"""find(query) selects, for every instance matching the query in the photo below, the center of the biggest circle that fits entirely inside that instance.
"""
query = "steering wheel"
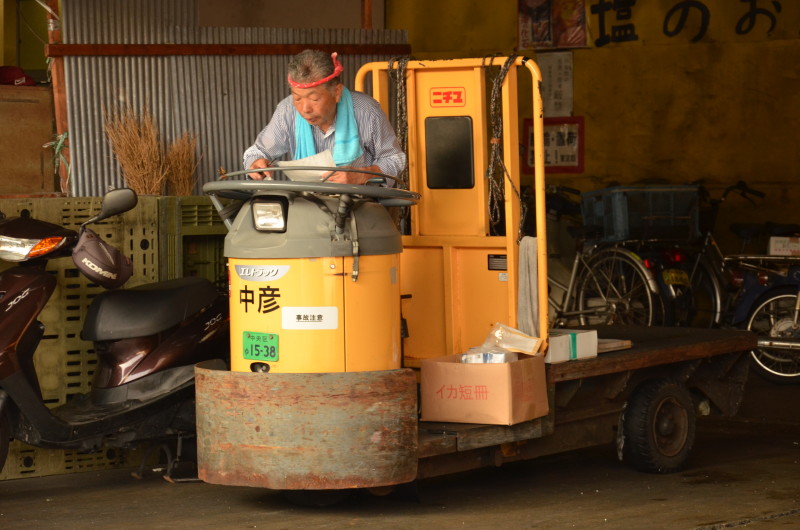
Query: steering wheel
(244, 189)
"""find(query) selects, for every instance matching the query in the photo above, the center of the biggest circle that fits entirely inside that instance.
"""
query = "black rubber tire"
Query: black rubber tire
(658, 427)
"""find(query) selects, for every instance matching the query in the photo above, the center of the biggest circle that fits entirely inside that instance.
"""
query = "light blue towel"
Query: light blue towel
(346, 145)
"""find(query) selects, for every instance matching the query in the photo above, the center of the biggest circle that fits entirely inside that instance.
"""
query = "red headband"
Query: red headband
(337, 69)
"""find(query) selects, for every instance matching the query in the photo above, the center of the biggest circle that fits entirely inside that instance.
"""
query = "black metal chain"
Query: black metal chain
(496, 171)
(397, 74)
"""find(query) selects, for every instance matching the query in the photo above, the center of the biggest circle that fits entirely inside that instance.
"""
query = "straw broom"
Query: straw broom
(180, 164)
(146, 168)
(136, 145)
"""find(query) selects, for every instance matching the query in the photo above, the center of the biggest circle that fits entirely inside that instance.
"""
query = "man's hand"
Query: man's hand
(352, 176)
(260, 163)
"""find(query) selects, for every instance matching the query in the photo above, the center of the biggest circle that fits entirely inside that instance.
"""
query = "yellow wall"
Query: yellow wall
(8, 32)
(32, 36)
(450, 29)
(723, 109)
(23, 47)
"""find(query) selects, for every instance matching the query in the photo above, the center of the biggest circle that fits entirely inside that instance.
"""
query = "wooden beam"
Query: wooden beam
(366, 14)
(104, 50)
(58, 81)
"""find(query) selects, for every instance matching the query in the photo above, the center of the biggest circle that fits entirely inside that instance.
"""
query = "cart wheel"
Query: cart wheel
(659, 427)
(316, 498)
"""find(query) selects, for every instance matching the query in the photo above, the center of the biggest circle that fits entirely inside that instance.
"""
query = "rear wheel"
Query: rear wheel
(706, 296)
(775, 316)
(614, 290)
(658, 427)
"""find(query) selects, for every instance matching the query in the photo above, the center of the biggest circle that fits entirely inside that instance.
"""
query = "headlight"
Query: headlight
(269, 216)
(20, 249)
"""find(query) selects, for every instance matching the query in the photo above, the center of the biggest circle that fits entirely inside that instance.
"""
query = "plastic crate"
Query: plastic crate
(624, 213)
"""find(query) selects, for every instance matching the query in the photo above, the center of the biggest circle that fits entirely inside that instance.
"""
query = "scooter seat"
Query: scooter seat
(147, 309)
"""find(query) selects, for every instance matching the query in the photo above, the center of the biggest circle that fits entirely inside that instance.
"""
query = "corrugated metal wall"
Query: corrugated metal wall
(225, 100)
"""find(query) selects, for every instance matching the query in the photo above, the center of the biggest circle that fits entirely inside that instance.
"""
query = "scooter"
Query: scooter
(147, 339)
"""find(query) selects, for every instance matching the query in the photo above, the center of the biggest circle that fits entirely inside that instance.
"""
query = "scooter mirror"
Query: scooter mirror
(115, 202)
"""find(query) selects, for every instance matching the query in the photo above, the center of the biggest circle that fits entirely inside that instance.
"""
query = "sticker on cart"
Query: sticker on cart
(450, 96)
(310, 317)
(261, 273)
(260, 346)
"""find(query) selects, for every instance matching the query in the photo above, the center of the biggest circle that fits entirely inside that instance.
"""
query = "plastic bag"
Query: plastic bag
(501, 346)
(506, 337)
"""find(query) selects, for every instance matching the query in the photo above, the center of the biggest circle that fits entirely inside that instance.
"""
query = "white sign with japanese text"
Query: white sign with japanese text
(307, 318)
(557, 81)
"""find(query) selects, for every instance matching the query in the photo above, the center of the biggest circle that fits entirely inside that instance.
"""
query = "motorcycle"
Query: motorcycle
(147, 339)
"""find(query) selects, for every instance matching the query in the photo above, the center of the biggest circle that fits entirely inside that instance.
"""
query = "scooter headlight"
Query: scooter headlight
(21, 249)
(269, 215)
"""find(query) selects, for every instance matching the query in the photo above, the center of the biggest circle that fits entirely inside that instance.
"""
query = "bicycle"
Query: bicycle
(759, 293)
(607, 284)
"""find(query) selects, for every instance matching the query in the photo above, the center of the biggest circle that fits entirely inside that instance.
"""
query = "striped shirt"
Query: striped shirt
(378, 140)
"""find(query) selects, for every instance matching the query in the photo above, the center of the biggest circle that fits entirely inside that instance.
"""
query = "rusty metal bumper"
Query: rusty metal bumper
(306, 431)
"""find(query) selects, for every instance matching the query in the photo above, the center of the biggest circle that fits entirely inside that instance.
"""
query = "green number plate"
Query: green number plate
(260, 346)
(676, 277)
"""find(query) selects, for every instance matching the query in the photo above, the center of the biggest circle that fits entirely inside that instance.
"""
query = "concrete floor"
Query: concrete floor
(744, 473)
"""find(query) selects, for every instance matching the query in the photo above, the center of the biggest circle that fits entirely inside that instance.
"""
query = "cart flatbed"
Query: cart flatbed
(587, 396)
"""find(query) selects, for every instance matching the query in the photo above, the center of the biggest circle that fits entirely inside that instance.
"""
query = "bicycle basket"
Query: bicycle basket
(643, 212)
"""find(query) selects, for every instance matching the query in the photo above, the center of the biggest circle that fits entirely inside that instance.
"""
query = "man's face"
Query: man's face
(317, 104)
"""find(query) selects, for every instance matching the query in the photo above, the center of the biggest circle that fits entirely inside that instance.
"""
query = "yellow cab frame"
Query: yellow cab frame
(453, 296)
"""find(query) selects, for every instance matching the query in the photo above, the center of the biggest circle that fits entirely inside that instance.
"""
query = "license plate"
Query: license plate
(260, 346)
(675, 277)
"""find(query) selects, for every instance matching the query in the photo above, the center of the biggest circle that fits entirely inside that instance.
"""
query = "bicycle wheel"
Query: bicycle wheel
(613, 290)
(773, 316)
(706, 298)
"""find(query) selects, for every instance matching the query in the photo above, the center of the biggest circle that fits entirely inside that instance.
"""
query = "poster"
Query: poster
(557, 82)
(551, 24)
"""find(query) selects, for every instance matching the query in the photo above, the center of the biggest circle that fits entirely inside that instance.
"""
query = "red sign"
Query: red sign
(448, 97)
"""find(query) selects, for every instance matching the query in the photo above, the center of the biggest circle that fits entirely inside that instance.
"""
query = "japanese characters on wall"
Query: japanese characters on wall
(614, 19)
(548, 24)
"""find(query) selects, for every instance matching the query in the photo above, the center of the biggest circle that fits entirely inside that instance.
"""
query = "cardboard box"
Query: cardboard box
(571, 344)
(784, 246)
(494, 393)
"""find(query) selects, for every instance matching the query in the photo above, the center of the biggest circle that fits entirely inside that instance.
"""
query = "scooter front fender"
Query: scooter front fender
(24, 291)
